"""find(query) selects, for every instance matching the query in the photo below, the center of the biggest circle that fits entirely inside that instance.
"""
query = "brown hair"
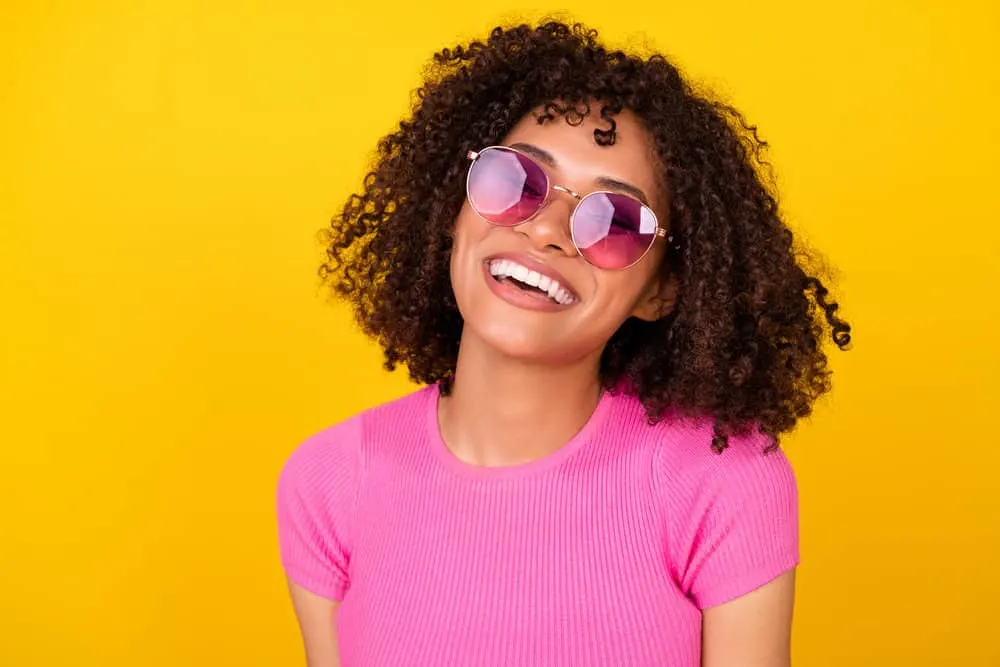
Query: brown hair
(743, 343)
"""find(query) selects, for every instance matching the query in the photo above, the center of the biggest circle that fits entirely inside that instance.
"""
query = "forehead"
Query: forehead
(581, 160)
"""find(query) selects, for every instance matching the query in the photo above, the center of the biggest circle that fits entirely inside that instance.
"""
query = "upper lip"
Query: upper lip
(529, 262)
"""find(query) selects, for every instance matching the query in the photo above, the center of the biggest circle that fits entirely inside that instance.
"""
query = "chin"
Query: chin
(514, 341)
(527, 344)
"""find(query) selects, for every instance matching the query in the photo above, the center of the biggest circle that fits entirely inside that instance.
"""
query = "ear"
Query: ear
(657, 299)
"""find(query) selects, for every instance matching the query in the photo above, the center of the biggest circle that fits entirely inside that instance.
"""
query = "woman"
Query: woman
(578, 257)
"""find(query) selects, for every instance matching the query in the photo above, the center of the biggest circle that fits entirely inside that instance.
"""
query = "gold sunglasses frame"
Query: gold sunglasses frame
(660, 233)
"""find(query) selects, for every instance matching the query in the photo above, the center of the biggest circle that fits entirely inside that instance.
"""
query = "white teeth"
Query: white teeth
(505, 268)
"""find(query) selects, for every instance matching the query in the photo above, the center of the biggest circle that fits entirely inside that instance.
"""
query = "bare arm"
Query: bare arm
(753, 630)
(315, 615)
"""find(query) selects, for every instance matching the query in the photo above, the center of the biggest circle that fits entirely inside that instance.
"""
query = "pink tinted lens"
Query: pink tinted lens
(506, 187)
(613, 231)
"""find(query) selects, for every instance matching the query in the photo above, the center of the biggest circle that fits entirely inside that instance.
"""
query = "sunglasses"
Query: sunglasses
(610, 230)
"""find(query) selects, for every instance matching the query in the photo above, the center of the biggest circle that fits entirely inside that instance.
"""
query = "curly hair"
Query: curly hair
(743, 342)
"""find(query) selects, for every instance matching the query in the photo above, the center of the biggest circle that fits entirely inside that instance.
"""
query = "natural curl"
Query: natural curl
(743, 343)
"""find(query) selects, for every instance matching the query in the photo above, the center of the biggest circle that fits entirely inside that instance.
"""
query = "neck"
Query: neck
(504, 411)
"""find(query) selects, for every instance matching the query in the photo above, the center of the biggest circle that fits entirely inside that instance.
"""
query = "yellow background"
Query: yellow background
(166, 164)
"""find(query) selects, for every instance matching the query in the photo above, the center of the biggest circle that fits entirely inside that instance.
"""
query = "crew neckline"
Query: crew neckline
(483, 472)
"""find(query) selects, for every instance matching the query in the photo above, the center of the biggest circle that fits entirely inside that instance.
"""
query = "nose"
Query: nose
(549, 229)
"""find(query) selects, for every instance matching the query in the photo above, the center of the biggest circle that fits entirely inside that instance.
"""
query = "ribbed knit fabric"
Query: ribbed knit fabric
(602, 553)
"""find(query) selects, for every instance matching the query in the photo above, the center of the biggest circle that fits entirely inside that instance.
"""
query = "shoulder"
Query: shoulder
(337, 455)
(318, 494)
(686, 462)
(730, 518)
(682, 453)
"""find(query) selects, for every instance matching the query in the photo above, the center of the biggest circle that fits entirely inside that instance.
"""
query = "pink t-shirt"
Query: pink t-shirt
(601, 553)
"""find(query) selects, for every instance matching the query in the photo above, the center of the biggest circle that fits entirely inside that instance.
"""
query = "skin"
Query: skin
(538, 372)
(317, 622)
(527, 381)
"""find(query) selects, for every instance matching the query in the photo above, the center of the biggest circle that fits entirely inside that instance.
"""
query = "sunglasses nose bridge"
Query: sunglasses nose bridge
(571, 193)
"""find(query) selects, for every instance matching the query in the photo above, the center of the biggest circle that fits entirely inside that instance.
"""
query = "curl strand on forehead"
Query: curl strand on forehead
(575, 113)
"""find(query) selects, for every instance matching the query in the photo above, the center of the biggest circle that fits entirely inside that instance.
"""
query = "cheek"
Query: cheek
(620, 294)
(469, 230)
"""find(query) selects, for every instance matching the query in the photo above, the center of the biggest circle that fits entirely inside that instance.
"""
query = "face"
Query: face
(575, 321)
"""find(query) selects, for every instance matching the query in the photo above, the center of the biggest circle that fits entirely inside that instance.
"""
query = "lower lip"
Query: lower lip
(518, 297)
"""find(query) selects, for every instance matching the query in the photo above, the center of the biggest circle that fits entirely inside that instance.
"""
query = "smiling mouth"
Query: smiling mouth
(506, 271)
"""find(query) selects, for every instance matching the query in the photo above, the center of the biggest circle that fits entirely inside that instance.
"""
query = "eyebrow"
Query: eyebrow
(602, 181)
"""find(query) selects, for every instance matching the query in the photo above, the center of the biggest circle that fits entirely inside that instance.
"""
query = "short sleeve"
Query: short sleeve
(733, 521)
(316, 501)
